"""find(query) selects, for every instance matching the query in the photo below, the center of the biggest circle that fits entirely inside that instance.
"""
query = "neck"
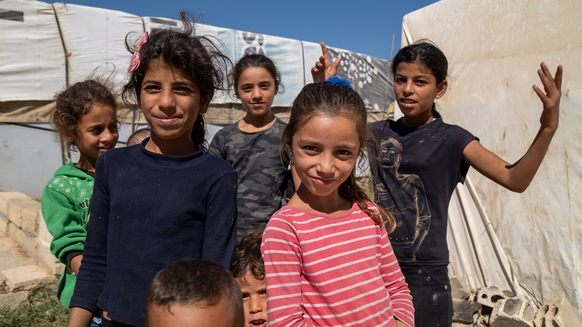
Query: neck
(332, 204)
(177, 147)
(415, 121)
(254, 124)
(86, 163)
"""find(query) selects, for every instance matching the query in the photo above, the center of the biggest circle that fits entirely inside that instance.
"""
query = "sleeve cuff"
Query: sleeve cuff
(72, 255)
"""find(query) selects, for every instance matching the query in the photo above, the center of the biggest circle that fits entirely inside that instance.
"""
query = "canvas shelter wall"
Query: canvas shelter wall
(494, 49)
(46, 47)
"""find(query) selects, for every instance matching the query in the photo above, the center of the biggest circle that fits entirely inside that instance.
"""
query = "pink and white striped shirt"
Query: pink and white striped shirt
(332, 271)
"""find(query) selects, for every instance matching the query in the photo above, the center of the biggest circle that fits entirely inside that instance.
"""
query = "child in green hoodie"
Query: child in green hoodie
(86, 118)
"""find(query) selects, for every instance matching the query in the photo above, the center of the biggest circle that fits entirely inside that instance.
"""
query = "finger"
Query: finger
(540, 93)
(324, 51)
(558, 78)
(336, 63)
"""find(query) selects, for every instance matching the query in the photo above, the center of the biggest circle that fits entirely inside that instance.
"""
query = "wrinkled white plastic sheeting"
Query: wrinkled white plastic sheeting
(475, 251)
(32, 57)
(94, 39)
(494, 48)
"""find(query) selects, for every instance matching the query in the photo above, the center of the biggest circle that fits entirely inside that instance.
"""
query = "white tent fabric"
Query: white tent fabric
(94, 38)
(32, 50)
(45, 47)
(494, 49)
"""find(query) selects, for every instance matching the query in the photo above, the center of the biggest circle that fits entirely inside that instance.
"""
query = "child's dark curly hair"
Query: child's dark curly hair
(197, 56)
(247, 255)
(75, 102)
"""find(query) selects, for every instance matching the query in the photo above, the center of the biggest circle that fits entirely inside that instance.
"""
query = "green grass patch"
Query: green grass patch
(41, 308)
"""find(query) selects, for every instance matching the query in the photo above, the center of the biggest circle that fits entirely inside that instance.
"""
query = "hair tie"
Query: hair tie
(134, 63)
(339, 81)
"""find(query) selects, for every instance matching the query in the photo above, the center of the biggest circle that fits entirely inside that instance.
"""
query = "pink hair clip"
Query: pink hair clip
(134, 63)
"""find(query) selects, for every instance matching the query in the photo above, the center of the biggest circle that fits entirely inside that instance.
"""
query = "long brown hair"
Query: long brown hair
(334, 100)
(198, 56)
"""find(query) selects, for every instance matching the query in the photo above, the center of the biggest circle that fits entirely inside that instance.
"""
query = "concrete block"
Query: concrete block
(15, 210)
(464, 311)
(46, 259)
(459, 289)
(26, 277)
(6, 197)
(25, 240)
(558, 313)
(43, 232)
(488, 296)
(12, 300)
(507, 313)
(30, 218)
(529, 312)
(3, 225)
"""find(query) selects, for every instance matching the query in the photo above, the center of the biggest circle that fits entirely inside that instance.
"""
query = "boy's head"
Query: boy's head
(194, 293)
(138, 136)
(249, 271)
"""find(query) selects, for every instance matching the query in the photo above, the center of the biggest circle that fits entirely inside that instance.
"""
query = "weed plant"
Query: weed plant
(41, 308)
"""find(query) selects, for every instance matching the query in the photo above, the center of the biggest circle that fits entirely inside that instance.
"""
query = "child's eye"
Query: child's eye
(183, 89)
(344, 153)
(245, 296)
(399, 80)
(310, 148)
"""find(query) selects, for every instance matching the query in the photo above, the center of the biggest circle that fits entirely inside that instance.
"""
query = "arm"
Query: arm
(79, 317)
(220, 227)
(518, 176)
(216, 146)
(324, 68)
(283, 266)
(396, 285)
(64, 223)
(92, 272)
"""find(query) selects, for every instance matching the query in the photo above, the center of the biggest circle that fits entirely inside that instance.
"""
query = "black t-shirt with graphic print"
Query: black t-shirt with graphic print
(415, 176)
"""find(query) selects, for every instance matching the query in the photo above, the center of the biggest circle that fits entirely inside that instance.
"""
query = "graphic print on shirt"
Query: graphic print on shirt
(409, 204)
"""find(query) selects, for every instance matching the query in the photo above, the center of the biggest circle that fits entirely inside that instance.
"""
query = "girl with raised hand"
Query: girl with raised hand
(85, 116)
(163, 200)
(422, 159)
(328, 260)
(251, 145)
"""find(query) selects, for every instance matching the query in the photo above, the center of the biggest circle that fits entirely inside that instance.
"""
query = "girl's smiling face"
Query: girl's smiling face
(256, 89)
(325, 151)
(96, 133)
(171, 102)
(415, 89)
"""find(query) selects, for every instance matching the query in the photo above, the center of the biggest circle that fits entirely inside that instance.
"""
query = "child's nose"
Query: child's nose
(326, 164)
(255, 305)
(166, 100)
(409, 87)
(107, 136)
(256, 93)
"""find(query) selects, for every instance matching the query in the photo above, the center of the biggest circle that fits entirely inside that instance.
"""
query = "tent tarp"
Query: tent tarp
(494, 49)
(35, 43)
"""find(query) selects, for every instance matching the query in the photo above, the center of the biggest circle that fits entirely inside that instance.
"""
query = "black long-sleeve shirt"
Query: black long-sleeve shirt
(149, 210)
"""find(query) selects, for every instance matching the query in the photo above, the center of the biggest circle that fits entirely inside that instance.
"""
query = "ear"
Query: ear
(69, 138)
(442, 89)
(276, 88)
(205, 102)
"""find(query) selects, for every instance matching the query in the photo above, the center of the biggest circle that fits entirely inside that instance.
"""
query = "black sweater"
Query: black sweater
(149, 210)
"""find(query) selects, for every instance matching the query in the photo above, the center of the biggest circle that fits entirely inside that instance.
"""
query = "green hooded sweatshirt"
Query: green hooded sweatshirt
(65, 207)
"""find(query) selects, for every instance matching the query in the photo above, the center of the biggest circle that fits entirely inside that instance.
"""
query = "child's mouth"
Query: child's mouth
(258, 323)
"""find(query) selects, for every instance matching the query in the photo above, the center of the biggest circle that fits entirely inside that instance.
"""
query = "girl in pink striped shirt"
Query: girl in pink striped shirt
(328, 261)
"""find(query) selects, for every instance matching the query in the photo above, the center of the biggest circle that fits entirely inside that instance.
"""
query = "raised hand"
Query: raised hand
(324, 68)
(550, 97)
